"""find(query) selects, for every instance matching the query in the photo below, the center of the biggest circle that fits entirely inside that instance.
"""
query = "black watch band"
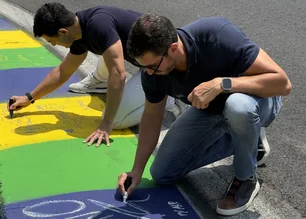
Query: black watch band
(30, 97)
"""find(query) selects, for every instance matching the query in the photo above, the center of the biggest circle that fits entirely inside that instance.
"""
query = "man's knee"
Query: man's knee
(241, 110)
(127, 119)
(160, 175)
(119, 125)
(123, 123)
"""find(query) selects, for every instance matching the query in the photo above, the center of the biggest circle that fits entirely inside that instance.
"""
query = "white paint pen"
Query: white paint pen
(125, 196)
(127, 184)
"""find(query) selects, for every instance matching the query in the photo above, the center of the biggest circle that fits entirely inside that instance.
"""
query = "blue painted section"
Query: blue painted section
(153, 203)
(6, 25)
(16, 82)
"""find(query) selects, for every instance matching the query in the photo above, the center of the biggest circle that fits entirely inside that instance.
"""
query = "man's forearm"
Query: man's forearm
(115, 90)
(148, 137)
(51, 82)
(263, 85)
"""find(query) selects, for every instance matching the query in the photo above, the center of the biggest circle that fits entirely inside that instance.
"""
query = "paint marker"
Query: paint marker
(127, 184)
(11, 101)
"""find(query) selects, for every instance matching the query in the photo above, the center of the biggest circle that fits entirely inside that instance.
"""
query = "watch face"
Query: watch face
(227, 84)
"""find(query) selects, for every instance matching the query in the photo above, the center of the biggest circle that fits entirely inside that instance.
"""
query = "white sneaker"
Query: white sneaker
(89, 85)
(177, 108)
(263, 148)
(174, 109)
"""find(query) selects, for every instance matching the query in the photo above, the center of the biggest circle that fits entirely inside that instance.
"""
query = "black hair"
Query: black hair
(50, 17)
(151, 33)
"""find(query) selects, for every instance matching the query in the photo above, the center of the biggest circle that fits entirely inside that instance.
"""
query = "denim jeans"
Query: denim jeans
(198, 138)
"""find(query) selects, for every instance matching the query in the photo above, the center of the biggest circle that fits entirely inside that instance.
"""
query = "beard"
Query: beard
(170, 67)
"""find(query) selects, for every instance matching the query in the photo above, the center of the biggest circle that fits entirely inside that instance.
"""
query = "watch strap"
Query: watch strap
(30, 97)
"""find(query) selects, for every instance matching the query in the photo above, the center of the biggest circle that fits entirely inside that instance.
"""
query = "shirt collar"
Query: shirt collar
(190, 48)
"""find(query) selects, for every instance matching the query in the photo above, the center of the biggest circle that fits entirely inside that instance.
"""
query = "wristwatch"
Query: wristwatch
(30, 97)
(226, 85)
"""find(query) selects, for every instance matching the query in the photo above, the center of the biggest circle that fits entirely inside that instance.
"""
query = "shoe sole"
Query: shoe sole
(230, 212)
(266, 146)
(94, 91)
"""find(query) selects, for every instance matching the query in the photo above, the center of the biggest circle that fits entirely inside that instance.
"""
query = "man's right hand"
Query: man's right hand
(19, 103)
(100, 134)
(136, 178)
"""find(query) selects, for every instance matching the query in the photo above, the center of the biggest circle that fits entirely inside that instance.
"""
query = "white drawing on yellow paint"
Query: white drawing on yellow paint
(51, 106)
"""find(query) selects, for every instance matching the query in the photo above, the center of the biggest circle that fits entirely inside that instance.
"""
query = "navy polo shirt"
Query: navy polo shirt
(102, 26)
(215, 48)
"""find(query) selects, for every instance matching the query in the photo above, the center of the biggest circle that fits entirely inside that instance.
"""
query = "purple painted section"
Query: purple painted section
(153, 203)
(5, 25)
(19, 81)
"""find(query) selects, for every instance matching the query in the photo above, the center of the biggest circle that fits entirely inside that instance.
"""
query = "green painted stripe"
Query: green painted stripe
(59, 167)
(27, 58)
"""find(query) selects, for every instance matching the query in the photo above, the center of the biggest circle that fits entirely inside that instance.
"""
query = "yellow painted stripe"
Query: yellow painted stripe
(16, 39)
(53, 119)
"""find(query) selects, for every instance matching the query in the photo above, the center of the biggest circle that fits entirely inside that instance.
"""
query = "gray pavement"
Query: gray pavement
(279, 27)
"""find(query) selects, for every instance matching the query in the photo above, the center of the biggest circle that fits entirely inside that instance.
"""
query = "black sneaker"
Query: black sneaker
(263, 148)
(239, 196)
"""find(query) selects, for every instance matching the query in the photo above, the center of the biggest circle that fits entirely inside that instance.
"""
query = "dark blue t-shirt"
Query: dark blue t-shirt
(102, 26)
(215, 48)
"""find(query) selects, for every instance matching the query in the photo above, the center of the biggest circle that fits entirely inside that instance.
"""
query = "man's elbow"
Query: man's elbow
(123, 76)
(287, 86)
(117, 80)
(63, 73)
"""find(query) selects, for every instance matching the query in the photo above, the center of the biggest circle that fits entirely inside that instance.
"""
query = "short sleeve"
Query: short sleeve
(77, 49)
(150, 84)
(103, 31)
(237, 51)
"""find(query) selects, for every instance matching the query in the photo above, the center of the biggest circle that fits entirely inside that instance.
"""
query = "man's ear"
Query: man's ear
(62, 31)
(173, 49)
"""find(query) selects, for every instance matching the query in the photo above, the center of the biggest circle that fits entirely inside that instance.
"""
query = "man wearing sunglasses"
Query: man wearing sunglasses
(102, 30)
(153, 67)
(234, 87)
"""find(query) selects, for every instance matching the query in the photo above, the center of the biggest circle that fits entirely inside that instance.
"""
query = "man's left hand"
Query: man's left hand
(204, 93)
(100, 134)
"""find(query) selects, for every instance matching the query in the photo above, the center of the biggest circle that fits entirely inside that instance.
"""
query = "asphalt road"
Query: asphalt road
(279, 27)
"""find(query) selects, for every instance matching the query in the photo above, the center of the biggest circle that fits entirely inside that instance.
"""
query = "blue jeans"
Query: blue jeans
(198, 138)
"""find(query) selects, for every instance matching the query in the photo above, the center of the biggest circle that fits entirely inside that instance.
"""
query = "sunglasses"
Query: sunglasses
(150, 67)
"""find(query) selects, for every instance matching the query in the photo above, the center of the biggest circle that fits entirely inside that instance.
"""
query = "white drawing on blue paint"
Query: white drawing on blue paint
(29, 211)
(93, 214)
(178, 208)
(26, 211)
(135, 211)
